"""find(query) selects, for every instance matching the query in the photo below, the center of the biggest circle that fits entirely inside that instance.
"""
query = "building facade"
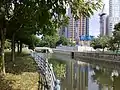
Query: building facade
(114, 14)
(107, 22)
(75, 28)
(102, 24)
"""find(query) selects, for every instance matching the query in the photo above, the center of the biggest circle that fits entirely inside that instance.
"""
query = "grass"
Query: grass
(20, 75)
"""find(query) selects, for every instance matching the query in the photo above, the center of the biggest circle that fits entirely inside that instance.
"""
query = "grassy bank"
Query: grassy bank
(20, 75)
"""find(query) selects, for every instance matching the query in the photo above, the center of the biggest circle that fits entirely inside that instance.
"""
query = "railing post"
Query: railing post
(39, 83)
(72, 55)
(47, 81)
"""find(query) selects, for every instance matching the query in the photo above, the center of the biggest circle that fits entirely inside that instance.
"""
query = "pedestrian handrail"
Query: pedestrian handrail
(46, 70)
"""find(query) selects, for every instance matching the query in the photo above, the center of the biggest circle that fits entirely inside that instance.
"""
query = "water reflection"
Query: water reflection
(76, 76)
(107, 79)
(84, 76)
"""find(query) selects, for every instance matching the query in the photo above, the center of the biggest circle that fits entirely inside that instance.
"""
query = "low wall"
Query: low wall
(65, 48)
(97, 56)
(111, 61)
(75, 48)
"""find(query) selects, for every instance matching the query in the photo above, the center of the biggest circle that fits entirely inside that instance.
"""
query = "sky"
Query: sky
(94, 20)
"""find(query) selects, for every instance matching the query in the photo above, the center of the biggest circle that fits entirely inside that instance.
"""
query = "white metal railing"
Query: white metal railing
(45, 69)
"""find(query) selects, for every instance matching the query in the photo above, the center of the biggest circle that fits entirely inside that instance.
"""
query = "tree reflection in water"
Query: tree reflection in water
(106, 80)
(84, 76)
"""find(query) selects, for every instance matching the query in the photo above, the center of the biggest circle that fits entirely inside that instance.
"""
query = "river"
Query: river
(88, 76)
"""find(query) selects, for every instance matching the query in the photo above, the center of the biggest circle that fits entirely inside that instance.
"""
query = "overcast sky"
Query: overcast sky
(94, 20)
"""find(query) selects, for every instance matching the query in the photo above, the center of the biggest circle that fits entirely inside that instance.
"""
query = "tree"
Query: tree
(16, 14)
(7, 44)
(116, 35)
(100, 42)
(114, 43)
(104, 42)
(63, 40)
(94, 42)
(48, 41)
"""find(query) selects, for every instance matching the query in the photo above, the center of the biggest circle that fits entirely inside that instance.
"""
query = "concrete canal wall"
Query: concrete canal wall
(103, 59)
(97, 56)
(75, 48)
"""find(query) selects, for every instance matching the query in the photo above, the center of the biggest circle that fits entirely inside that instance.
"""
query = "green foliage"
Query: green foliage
(100, 42)
(71, 44)
(95, 42)
(53, 41)
(114, 43)
(48, 41)
(84, 8)
(104, 41)
(46, 16)
(63, 40)
(25, 18)
(102, 76)
(31, 41)
(7, 44)
(116, 33)
(59, 68)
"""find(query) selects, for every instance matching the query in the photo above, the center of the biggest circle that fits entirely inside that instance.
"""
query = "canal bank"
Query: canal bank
(89, 76)
(93, 56)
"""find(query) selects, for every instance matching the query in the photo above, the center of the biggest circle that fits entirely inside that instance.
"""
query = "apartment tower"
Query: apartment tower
(75, 28)
(114, 14)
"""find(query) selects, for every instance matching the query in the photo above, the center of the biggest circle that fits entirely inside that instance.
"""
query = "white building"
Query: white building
(114, 14)
(102, 24)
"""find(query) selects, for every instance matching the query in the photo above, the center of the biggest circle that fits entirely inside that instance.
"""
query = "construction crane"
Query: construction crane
(102, 27)
(102, 13)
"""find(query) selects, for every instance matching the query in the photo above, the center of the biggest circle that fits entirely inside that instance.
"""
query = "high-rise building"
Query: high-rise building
(114, 14)
(84, 26)
(107, 22)
(75, 28)
(102, 24)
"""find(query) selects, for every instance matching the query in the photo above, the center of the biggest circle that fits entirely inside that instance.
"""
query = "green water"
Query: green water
(77, 75)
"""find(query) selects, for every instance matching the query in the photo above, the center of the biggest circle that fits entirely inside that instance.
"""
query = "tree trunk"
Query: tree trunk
(20, 47)
(3, 33)
(118, 48)
(0, 41)
(13, 48)
(103, 50)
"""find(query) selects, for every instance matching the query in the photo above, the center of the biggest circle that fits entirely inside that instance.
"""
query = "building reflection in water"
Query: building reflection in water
(76, 76)
(81, 76)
